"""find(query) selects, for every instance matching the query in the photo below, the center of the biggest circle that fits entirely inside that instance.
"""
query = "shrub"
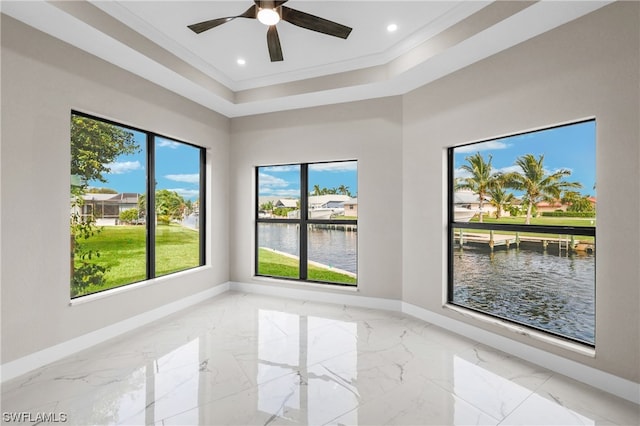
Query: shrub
(164, 219)
(569, 214)
(129, 215)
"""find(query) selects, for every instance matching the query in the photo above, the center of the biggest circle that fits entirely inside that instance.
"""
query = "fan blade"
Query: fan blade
(273, 42)
(314, 23)
(200, 27)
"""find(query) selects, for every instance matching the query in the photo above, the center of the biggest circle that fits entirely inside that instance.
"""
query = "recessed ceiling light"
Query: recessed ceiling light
(241, 61)
(392, 27)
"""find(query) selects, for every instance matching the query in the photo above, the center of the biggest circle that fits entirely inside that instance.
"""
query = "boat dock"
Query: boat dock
(492, 240)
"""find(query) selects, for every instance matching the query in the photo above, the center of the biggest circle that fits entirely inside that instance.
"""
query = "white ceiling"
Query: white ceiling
(434, 38)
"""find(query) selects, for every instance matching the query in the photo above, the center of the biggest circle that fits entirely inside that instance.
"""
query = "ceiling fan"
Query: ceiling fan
(270, 13)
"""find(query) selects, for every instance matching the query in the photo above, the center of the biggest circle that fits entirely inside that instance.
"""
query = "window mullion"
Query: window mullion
(202, 207)
(304, 211)
(151, 207)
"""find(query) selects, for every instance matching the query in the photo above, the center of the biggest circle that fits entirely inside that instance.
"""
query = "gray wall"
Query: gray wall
(370, 132)
(588, 68)
(42, 80)
(583, 69)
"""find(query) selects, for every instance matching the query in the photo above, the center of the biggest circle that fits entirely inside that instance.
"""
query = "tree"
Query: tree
(577, 202)
(500, 199)
(267, 207)
(84, 271)
(129, 215)
(481, 179)
(344, 190)
(94, 145)
(170, 203)
(92, 190)
(537, 184)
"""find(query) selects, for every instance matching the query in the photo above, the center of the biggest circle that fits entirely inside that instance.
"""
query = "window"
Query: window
(522, 229)
(304, 231)
(115, 241)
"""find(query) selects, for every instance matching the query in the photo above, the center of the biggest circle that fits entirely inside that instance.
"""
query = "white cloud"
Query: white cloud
(191, 178)
(168, 144)
(484, 146)
(268, 181)
(186, 193)
(281, 193)
(281, 169)
(342, 166)
(461, 173)
(119, 168)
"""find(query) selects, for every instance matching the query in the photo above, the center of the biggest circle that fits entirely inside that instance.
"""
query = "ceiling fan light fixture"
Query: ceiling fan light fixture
(268, 16)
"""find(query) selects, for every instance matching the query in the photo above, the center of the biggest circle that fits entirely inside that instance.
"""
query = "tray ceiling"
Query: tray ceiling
(433, 39)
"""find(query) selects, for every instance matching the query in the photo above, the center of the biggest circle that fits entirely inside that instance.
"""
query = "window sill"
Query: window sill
(524, 331)
(130, 287)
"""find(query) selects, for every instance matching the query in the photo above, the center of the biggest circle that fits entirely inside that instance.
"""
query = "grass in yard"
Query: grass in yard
(177, 248)
(123, 250)
(274, 264)
(277, 265)
(542, 220)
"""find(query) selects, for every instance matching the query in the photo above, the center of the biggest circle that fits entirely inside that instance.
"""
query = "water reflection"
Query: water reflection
(535, 288)
(336, 247)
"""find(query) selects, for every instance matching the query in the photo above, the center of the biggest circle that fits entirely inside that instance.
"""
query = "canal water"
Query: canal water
(336, 248)
(548, 291)
(544, 290)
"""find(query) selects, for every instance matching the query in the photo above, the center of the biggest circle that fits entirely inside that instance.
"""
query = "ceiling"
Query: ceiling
(433, 39)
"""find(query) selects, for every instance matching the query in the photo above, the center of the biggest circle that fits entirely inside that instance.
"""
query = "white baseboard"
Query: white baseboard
(20, 366)
(318, 296)
(591, 376)
(605, 381)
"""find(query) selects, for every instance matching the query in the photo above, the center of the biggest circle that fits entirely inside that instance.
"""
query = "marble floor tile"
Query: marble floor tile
(244, 359)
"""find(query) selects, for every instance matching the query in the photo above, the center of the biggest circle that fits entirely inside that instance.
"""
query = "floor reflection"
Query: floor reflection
(254, 360)
(309, 392)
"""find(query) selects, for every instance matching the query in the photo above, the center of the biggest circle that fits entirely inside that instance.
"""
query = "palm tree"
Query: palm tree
(316, 190)
(500, 199)
(343, 189)
(537, 184)
(481, 179)
(577, 202)
(267, 207)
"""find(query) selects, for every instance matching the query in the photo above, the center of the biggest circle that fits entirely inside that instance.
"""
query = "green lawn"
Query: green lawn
(122, 249)
(277, 265)
(542, 220)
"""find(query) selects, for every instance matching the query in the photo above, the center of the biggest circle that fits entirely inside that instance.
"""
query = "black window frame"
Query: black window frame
(302, 221)
(150, 225)
(452, 225)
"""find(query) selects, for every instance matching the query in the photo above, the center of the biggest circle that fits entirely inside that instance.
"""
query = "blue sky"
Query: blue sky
(570, 147)
(177, 169)
(284, 181)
